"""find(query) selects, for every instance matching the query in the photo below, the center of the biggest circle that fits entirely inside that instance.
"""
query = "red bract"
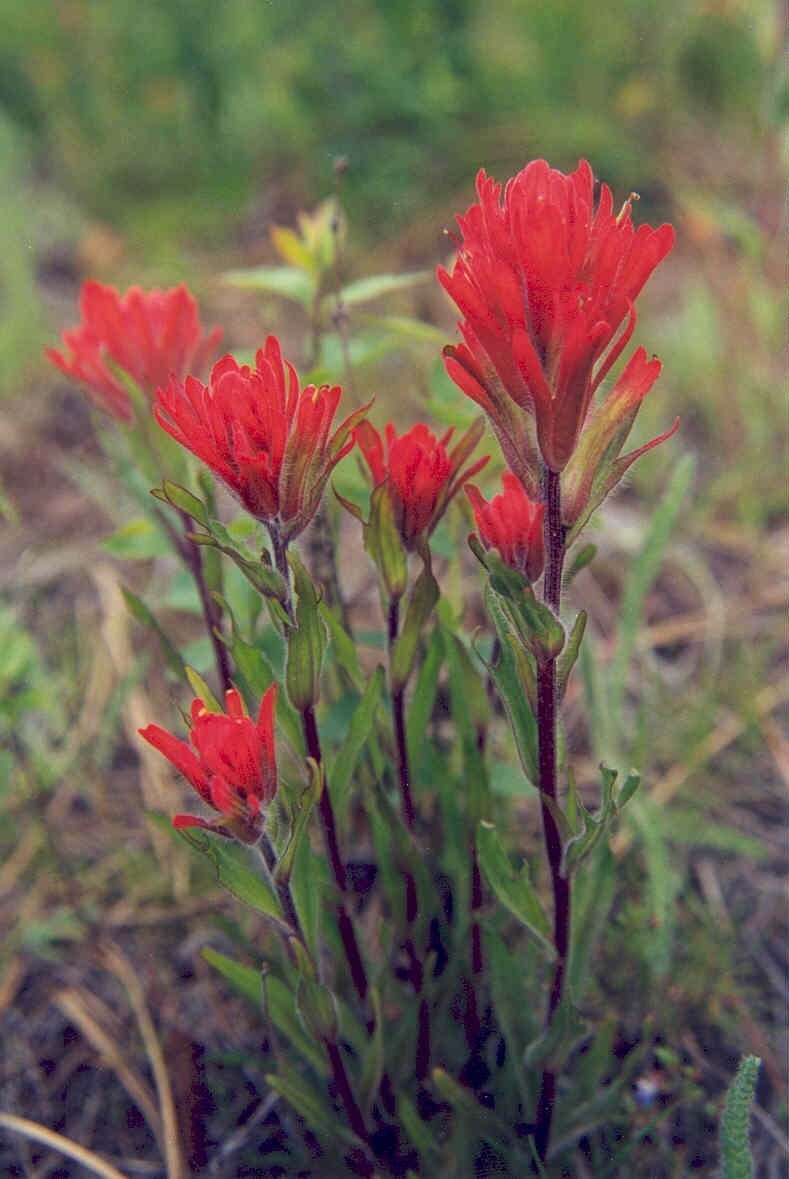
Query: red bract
(421, 471)
(150, 335)
(232, 764)
(546, 282)
(512, 524)
(268, 439)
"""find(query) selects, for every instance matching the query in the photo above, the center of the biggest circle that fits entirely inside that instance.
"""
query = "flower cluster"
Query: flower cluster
(422, 472)
(512, 524)
(546, 281)
(231, 763)
(270, 441)
(147, 335)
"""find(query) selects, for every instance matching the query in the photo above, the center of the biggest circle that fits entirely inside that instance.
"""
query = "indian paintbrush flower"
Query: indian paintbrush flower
(422, 472)
(546, 281)
(231, 763)
(512, 524)
(148, 335)
(268, 439)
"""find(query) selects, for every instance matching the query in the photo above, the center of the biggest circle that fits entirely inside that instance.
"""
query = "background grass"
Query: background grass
(159, 142)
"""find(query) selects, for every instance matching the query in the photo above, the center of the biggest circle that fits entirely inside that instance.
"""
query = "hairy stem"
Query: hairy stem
(398, 719)
(193, 559)
(548, 780)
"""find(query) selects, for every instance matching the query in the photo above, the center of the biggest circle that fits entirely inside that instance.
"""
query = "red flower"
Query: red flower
(150, 335)
(268, 440)
(512, 524)
(545, 280)
(232, 766)
(422, 473)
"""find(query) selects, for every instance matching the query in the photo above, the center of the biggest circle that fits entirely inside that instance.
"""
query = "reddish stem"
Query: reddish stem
(548, 781)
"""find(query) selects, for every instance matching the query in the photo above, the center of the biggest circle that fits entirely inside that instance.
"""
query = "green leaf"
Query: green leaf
(306, 885)
(279, 1003)
(343, 648)
(138, 609)
(374, 1052)
(515, 1016)
(267, 581)
(514, 678)
(384, 544)
(512, 888)
(421, 600)
(178, 497)
(359, 729)
(581, 558)
(306, 641)
(735, 1122)
(419, 1133)
(593, 896)
(307, 802)
(311, 1105)
(534, 623)
(376, 285)
(139, 540)
(202, 690)
(570, 653)
(643, 571)
(246, 980)
(553, 1047)
(287, 281)
(317, 1008)
(235, 871)
(423, 696)
(410, 330)
(470, 712)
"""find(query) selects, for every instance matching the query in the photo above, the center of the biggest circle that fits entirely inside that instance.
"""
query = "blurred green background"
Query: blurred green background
(178, 122)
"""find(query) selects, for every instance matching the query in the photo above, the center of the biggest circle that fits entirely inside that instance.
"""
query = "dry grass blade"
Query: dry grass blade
(96, 1024)
(38, 1133)
(123, 970)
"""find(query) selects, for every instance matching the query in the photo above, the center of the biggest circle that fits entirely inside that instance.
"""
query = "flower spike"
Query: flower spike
(231, 763)
(422, 473)
(269, 440)
(149, 335)
(512, 524)
(544, 280)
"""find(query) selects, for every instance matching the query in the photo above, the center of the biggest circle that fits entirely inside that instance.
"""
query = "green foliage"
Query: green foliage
(157, 104)
(513, 888)
(735, 1122)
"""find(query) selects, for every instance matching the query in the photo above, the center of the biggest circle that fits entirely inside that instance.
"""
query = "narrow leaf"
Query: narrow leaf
(341, 776)
(512, 888)
(363, 290)
(138, 609)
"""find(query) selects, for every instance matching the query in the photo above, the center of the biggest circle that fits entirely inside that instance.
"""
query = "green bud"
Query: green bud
(317, 1009)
